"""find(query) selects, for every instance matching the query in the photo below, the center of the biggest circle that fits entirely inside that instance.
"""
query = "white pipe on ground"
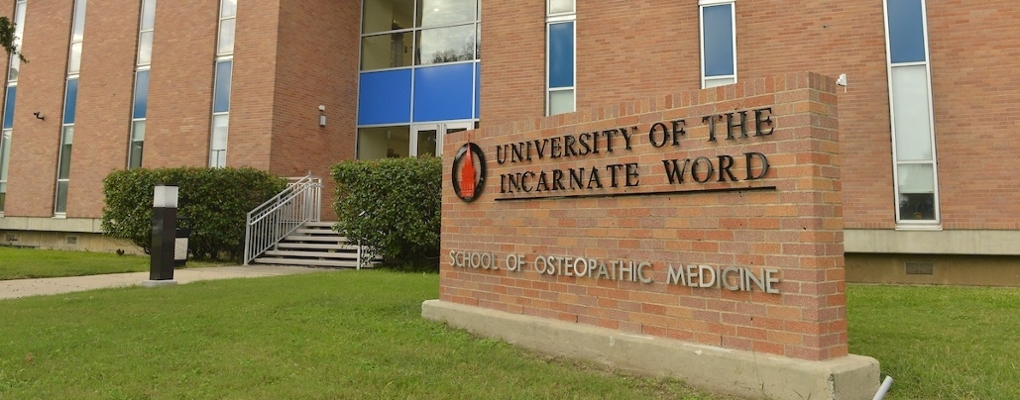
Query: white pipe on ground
(886, 384)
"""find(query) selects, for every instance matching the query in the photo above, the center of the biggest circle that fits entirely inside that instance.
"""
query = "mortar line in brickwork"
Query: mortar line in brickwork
(656, 193)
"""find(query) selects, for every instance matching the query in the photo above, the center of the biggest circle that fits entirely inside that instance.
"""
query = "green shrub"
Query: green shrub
(392, 205)
(213, 202)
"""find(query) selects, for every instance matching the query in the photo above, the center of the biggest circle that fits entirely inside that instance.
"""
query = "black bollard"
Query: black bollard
(164, 225)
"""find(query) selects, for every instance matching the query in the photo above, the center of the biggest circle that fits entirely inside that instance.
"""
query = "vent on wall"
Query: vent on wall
(72, 240)
(920, 268)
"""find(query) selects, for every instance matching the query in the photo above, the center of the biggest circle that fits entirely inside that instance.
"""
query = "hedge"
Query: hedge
(213, 203)
(392, 205)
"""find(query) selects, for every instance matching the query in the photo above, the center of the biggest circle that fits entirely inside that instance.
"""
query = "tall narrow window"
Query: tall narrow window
(718, 43)
(560, 55)
(913, 128)
(70, 108)
(146, 24)
(9, 100)
(221, 84)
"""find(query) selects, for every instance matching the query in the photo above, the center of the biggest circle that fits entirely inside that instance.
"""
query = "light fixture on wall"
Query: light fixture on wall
(842, 82)
(39, 115)
(322, 115)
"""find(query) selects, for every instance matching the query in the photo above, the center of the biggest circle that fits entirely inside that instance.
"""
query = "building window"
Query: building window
(913, 128)
(138, 113)
(221, 84)
(419, 75)
(718, 43)
(19, 31)
(397, 33)
(560, 57)
(9, 100)
(384, 142)
(146, 24)
(70, 109)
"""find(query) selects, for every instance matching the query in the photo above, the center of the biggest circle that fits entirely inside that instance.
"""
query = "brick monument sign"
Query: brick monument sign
(697, 235)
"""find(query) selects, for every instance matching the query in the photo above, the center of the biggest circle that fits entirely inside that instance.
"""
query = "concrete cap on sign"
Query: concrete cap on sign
(164, 196)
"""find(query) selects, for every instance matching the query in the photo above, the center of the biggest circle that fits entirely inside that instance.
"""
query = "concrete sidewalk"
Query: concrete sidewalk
(13, 289)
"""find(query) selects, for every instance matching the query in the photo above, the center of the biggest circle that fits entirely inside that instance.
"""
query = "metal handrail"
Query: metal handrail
(281, 215)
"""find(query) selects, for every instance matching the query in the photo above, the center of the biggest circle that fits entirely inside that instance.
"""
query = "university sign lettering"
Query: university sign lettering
(693, 275)
(592, 179)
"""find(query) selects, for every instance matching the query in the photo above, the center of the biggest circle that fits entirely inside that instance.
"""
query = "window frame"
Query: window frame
(139, 68)
(80, 6)
(415, 35)
(218, 157)
(556, 19)
(11, 83)
(702, 5)
(902, 223)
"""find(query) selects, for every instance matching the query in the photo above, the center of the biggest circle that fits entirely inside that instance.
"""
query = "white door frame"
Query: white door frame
(441, 129)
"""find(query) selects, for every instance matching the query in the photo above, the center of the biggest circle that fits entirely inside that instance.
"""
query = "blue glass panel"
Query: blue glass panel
(561, 55)
(12, 92)
(906, 31)
(718, 46)
(384, 97)
(141, 94)
(443, 92)
(70, 101)
(478, 89)
(221, 96)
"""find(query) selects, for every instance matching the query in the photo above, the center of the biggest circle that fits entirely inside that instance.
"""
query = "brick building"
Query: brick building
(924, 115)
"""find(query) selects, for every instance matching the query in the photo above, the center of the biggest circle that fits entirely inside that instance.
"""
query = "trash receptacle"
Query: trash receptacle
(181, 235)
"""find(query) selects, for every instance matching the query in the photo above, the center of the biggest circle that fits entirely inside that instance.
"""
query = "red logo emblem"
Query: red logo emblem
(468, 175)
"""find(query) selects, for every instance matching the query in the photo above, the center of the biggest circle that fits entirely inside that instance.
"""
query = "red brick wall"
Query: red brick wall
(181, 84)
(317, 65)
(105, 92)
(512, 61)
(34, 143)
(635, 49)
(795, 228)
(253, 82)
(974, 52)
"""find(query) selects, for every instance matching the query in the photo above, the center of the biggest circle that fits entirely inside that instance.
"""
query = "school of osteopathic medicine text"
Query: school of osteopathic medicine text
(699, 170)
(699, 276)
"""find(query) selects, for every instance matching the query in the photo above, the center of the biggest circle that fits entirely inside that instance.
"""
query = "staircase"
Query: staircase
(285, 230)
(315, 244)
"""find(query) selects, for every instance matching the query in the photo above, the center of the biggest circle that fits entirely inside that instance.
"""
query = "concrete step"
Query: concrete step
(314, 244)
(315, 231)
(317, 246)
(298, 261)
(321, 225)
(352, 255)
(316, 238)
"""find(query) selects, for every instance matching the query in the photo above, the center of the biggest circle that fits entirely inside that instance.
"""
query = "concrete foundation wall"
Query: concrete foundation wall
(741, 373)
(944, 269)
(72, 241)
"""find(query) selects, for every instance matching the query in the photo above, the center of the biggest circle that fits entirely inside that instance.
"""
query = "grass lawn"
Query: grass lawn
(21, 263)
(350, 335)
(940, 342)
(360, 335)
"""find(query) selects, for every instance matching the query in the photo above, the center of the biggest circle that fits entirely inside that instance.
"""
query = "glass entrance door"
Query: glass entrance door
(428, 138)
(424, 139)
